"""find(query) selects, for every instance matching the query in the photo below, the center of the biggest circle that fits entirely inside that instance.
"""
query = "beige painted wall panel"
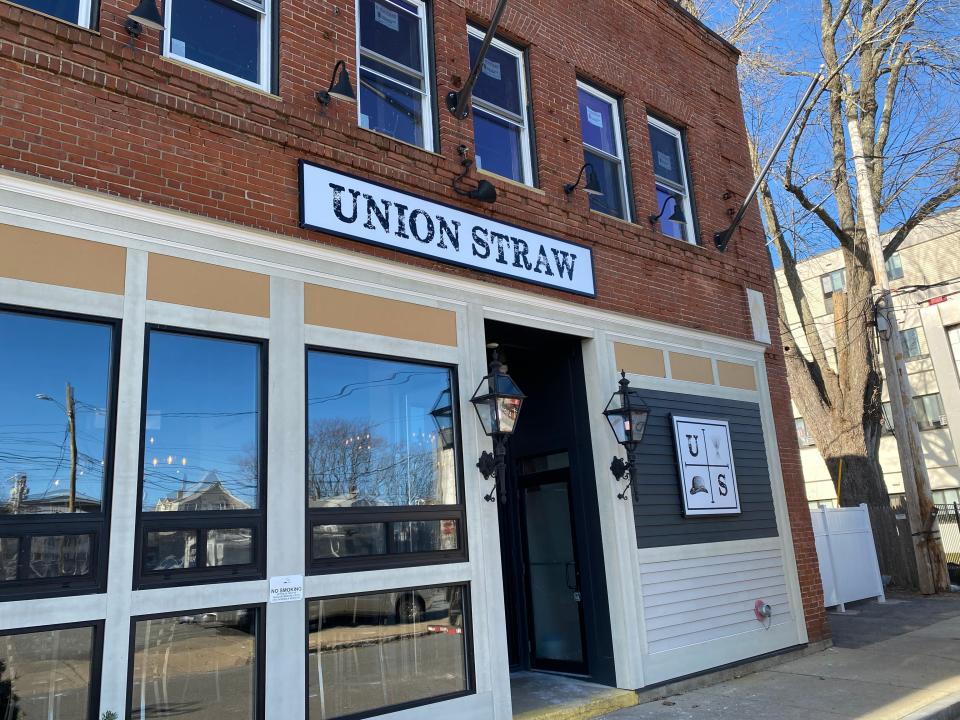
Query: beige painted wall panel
(202, 285)
(736, 375)
(691, 368)
(640, 360)
(59, 260)
(357, 312)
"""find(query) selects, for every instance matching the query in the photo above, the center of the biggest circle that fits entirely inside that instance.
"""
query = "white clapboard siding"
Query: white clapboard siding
(694, 600)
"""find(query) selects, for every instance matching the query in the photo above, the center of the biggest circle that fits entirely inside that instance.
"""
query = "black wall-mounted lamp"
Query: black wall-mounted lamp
(146, 13)
(497, 401)
(677, 216)
(340, 86)
(484, 191)
(442, 414)
(592, 186)
(627, 415)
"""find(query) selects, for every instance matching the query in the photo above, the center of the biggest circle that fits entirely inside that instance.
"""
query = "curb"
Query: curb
(946, 708)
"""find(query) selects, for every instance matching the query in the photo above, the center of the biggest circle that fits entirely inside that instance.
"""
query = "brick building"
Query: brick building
(241, 325)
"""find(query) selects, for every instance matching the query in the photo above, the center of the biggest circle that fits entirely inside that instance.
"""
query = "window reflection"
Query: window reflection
(201, 436)
(375, 651)
(58, 556)
(196, 665)
(53, 418)
(9, 551)
(372, 438)
(46, 674)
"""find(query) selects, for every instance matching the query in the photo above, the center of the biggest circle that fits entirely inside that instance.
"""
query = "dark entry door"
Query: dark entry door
(554, 603)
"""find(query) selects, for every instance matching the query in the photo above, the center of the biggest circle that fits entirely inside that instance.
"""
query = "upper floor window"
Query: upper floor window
(227, 37)
(929, 411)
(501, 131)
(670, 177)
(894, 267)
(603, 149)
(832, 282)
(911, 343)
(74, 11)
(382, 476)
(395, 94)
(56, 418)
(203, 463)
(803, 433)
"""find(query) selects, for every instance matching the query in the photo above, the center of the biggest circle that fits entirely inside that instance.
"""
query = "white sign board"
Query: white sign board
(708, 482)
(286, 588)
(357, 209)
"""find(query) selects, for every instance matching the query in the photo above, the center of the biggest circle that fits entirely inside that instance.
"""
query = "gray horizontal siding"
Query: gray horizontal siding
(657, 505)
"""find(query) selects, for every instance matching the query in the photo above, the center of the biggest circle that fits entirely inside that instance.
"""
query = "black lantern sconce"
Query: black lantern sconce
(497, 401)
(340, 86)
(484, 192)
(145, 14)
(442, 414)
(592, 186)
(627, 415)
(677, 216)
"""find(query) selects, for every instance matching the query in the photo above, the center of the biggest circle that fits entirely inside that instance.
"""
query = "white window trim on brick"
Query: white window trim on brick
(523, 120)
(620, 157)
(426, 93)
(688, 233)
(264, 70)
(84, 12)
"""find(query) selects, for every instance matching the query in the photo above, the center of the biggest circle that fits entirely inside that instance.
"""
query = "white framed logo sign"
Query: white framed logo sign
(708, 481)
(350, 207)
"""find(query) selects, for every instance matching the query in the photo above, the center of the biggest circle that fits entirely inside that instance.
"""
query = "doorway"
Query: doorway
(551, 554)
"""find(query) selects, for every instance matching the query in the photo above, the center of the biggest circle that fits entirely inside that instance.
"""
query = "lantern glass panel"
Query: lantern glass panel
(638, 422)
(509, 411)
(617, 425)
(487, 415)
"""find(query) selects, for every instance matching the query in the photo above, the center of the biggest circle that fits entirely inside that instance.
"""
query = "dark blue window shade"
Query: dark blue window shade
(667, 165)
(224, 36)
(391, 29)
(499, 79)
(498, 145)
(597, 123)
(610, 201)
(391, 108)
(68, 10)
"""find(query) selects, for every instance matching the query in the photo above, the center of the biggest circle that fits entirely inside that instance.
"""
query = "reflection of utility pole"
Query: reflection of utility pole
(72, 427)
(19, 493)
(931, 562)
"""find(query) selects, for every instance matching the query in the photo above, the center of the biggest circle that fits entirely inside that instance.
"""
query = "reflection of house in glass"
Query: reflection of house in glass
(208, 494)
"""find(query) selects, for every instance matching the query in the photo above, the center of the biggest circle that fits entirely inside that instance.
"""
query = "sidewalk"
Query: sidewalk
(896, 660)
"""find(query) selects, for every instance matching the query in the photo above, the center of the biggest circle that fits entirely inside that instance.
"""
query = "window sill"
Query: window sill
(38, 13)
(511, 183)
(214, 75)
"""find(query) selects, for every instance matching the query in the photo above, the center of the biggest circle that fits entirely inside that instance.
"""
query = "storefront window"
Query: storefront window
(371, 653)
(47, 673)
(74, 11)
(394, 84)
(56, 423)
(199, 664)
(382, 465)
(603, 149)
(203, 472)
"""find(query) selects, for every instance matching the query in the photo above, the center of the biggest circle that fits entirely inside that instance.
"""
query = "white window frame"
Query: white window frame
(688, 227)
(523, 120)
(894, 262)
(426, 100)
(620, 157)
(84, 12)
(265, 65)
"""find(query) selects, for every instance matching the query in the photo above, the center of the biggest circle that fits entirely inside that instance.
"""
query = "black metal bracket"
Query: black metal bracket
(622, 469)
(494, 464)
(458, 101)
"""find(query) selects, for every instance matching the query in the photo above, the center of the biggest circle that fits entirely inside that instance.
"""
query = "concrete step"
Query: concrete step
(541, 696)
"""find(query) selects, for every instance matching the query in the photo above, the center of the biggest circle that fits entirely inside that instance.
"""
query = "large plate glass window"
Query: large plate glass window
(603, 149)
(376, 652)
(226, 37)
(203, 473)
(197, 664)
(79, 12)
(670, 178)
(50, 672)
(501, 130)
(57, 377)
(395, 88)
(382, 472)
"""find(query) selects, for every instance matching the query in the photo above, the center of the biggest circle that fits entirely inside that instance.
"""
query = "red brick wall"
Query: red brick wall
(85, 108)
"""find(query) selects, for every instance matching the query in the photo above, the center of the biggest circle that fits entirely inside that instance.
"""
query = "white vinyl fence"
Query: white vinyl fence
(848, 558)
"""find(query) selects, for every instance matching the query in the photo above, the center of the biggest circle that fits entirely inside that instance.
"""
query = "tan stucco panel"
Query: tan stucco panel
(357, 312)
(736, 375)
(43, 257)
(691, 368)
(202, 285)
(640, 360)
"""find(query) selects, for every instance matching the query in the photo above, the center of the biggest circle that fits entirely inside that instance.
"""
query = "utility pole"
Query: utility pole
(931, 561)
(72, 428)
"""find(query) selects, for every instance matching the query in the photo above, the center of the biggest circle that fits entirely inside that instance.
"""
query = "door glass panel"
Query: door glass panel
(553, 574)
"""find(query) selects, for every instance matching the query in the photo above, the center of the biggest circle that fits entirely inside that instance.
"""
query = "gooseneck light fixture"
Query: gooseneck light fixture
(340, 86)
(497, 401)
(591, 188)
(484, 191)
(145, 14)
(627, 415)
(677, 216)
